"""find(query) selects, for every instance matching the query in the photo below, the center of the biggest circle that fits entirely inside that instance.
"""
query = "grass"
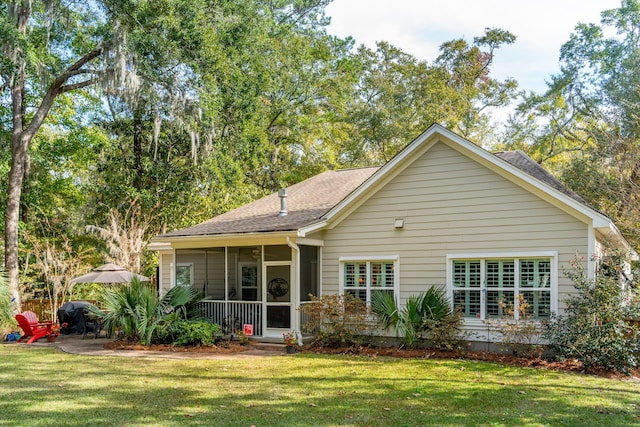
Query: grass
(42, 387)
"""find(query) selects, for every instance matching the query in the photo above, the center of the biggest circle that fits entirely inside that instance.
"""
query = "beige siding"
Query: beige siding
(165, 273)
(450, 204)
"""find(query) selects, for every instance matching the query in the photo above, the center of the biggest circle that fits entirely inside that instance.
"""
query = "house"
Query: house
(443, 212)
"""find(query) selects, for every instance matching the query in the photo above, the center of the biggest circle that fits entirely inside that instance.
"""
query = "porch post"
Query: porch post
(295, 285)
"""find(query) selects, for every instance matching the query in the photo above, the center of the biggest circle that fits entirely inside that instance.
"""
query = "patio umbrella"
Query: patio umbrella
(109, 273)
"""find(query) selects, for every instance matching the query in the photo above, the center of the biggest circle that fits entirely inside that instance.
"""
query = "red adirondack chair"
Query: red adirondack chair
(31, 329)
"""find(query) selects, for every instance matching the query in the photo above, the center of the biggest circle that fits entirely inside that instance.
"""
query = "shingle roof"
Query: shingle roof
(307, 202)
(526, 164)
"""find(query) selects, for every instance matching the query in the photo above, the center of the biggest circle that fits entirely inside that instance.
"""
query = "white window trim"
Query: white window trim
(184, 264)
(371, 258)
(552, 255)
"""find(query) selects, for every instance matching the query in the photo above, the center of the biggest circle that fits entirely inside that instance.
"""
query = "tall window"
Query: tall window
(363, 278)
(488, 288)
(184, 274)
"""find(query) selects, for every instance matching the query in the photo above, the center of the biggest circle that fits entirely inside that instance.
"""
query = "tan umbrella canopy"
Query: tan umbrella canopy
(109, 273)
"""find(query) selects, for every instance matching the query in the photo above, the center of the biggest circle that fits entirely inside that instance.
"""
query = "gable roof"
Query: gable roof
(307, 202)
(326, 198)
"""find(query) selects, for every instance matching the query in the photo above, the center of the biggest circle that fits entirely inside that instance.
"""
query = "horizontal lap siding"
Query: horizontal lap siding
(450, 204)
(165, 274)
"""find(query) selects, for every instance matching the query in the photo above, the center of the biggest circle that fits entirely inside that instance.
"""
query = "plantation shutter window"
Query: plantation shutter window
(355, 279)
(493, 288)
(535, 286)
(500, 287)
(466, 283)
(363, 278)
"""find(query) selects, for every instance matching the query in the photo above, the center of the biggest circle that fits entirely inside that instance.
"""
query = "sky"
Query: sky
(419, 27)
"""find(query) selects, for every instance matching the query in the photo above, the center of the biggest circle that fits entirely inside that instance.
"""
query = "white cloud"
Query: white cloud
(420, 27)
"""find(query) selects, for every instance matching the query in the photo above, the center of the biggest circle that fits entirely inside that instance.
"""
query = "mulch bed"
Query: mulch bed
(504, 359)
(123, 345)
(570, 365)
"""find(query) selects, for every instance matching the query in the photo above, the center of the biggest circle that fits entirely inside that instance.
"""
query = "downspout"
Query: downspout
(296, 302)
(226, 282)
(172, 266)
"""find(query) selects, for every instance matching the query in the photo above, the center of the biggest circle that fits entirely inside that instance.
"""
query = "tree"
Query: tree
(30, 40)
(586, 127)
(399, 96)
(53, 49)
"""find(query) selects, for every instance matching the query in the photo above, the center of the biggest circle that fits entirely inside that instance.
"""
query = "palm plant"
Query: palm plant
(7, 321)
(137, 311)
(418, 315)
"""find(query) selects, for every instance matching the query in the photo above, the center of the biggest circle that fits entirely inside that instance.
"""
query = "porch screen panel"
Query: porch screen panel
(309, 272)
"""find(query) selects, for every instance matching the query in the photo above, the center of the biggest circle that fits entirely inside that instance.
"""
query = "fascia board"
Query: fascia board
(220, 239)
(311, 228)
(612, 232)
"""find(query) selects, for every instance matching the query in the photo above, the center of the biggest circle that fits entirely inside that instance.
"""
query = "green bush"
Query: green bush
(595, 328)
(7, 320)
(189, 333)
(424, 317)
(137, 312)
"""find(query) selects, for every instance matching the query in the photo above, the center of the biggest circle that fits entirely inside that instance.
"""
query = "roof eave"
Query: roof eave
(162, 242)
(311, 228)
(612, 232)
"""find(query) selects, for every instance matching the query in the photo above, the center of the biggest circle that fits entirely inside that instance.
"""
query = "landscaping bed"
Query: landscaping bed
(227, 349)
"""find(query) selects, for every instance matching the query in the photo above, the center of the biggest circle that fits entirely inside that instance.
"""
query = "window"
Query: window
(486, 288)
(184, 274)
(362, 278)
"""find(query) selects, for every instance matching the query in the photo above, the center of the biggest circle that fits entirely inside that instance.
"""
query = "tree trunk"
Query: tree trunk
(14, 186)
(14, 191)
(26, 181)
(137, 148)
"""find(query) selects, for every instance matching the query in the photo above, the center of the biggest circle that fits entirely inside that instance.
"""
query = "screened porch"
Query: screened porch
(260, 285)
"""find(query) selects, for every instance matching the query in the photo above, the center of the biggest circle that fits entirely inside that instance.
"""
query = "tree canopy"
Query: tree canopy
(123, 119)
(586, 127)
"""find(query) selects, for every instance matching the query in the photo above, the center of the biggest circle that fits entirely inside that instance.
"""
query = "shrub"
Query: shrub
(522, 337)
(427, 316)
(189, 333)
(595, 328)
(446, 333)
(337, 320)
(7, 320)
(136, 311)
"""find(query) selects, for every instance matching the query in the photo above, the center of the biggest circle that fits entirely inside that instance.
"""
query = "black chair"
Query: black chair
(91, 324)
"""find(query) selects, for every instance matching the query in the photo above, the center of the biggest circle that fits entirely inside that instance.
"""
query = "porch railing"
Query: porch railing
(305, 325)
(233, 315)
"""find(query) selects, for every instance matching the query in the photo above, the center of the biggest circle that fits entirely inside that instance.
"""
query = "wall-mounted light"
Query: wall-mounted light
(399, 223)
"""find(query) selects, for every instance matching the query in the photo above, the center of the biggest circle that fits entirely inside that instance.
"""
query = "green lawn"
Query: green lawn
(44, 387)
